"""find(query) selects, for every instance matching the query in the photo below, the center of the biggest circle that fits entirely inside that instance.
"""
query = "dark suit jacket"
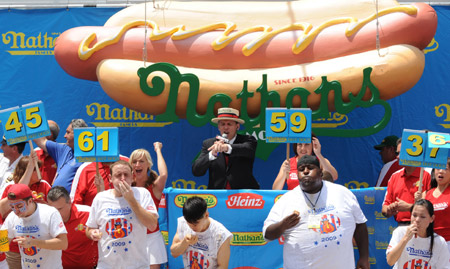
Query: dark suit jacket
(239, 171)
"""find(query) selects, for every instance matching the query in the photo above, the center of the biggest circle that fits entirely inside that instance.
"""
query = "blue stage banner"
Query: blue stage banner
(243, 213)
(30, 72)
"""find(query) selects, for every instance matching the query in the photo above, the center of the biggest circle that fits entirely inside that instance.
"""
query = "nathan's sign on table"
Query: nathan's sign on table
(288, 125)
(416, 150)
(96, 144)
(24, 123)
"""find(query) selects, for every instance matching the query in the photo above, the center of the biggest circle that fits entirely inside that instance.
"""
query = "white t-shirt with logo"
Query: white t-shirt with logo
(417, 251)
(45, 223)
(330, 244)
(204, 252)
(123, 243)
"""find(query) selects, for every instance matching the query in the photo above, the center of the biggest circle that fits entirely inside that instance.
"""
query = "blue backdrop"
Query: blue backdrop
(30, 73)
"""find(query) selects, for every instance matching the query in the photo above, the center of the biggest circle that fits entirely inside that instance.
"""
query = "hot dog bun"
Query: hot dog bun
(224, 45)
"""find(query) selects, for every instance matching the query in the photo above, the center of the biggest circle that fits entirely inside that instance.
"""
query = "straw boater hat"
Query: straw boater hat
(228, 113)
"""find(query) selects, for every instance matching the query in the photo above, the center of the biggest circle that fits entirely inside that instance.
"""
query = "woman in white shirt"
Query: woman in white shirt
(417, 244)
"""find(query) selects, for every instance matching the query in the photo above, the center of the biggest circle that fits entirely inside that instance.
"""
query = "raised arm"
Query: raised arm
(324, 162)
(395, 253)
(278, 184)
(160, 182)
(41, 142)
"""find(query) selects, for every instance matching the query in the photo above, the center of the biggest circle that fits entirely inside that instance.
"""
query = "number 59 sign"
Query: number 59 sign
(415, 151)
(96, 144)
(288, 125)
(24, 123)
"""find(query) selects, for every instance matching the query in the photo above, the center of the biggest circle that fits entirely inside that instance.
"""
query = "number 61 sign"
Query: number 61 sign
(415, 151)
(288, 125)
(96, 144)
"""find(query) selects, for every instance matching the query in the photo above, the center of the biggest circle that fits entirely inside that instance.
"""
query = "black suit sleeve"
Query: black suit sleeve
(202, 163)
(245, 147)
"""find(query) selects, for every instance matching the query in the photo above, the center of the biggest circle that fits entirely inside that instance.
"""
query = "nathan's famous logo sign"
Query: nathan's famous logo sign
(180, 199)
(20, 43)
(248, 239)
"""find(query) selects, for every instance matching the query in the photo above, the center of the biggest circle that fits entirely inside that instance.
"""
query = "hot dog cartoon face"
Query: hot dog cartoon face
(292, 44)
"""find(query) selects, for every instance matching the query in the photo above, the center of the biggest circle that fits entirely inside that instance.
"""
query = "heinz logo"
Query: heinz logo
(245, 200)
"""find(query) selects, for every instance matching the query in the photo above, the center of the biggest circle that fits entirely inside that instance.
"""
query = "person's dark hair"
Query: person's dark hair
(57, 192)
(433, 183)
(294, 146)
(120, 162)
(430, 230)
(12, 196)
(78, 123)
(194, 209)
(20, 146)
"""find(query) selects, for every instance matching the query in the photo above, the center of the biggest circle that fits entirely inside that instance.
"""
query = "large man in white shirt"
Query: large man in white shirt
(318, 220)
(119, 220)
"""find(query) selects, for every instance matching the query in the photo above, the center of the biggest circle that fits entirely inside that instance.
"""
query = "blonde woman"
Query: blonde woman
(145, 177)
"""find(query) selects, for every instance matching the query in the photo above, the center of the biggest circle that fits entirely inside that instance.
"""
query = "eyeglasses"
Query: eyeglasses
(3, 142)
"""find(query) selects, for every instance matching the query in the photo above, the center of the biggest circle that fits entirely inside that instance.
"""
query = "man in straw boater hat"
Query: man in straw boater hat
(228, 157)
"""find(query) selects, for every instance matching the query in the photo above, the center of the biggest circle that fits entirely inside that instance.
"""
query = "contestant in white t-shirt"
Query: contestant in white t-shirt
(37, 228)
(416, 245)
(203, 241)
(318, 220)
(119, 220)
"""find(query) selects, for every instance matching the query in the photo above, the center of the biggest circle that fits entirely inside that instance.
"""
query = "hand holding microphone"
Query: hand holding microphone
(221, 144)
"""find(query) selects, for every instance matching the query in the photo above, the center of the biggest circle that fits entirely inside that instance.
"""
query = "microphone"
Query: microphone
(223, 138)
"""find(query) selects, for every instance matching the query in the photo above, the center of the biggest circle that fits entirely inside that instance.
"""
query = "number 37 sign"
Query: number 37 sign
(416, 150)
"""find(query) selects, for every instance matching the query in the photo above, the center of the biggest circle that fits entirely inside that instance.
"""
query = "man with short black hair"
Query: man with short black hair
(37, 228)
(119, 220)
(388, 153)
(200, 239)
(63, 154)
(81, 253)
(318, 220)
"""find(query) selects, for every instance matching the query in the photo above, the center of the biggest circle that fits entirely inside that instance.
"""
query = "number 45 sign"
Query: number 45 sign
(96, 144)
(415, 151)
(24, 123)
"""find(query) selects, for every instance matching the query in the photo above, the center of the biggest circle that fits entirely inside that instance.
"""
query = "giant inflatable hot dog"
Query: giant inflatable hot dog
(224, 43)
